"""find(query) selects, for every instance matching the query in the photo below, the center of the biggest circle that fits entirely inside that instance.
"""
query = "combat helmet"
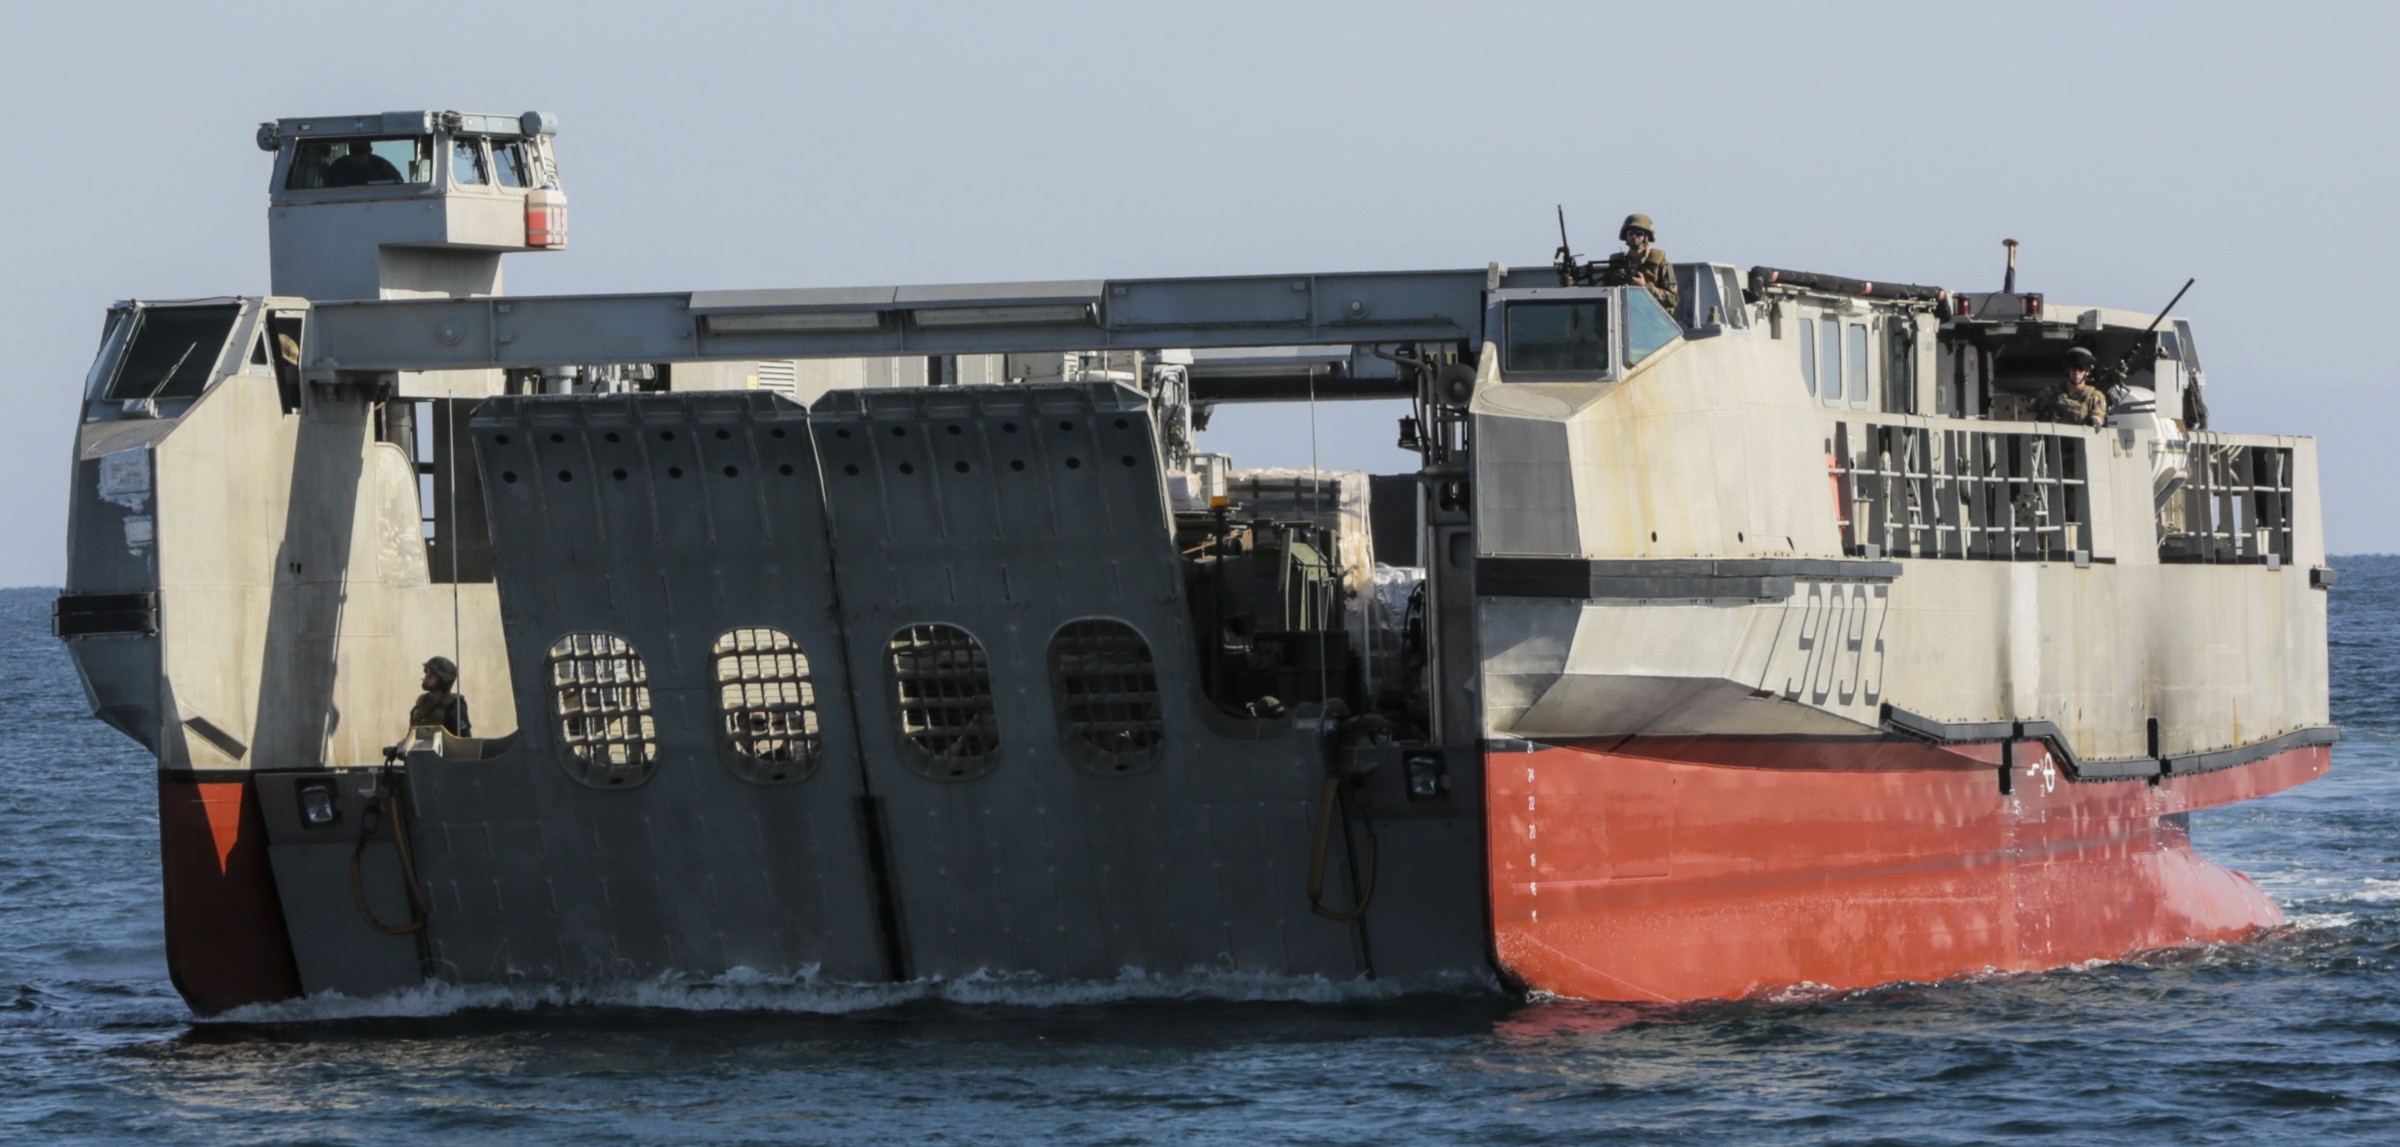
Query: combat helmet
(443, 669)
(1638, 221)
(2080, 358)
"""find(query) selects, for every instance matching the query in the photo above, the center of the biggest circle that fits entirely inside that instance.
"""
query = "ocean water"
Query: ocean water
(2293, 1037)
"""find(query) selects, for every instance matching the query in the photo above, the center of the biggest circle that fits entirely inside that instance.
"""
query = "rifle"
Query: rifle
(2117, 372)
(1570, 274)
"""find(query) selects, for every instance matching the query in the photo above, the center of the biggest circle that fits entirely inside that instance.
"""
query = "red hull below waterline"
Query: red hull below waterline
(1688, 870)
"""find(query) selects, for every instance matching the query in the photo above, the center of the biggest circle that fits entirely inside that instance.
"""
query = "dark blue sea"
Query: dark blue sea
(2294, 1037)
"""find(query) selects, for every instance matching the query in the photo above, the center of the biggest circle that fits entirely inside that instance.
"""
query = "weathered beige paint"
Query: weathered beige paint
(1714, 449)
(295, 601)
(260, 511)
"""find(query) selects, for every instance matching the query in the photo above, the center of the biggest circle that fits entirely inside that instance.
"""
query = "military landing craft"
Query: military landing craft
(906, 632)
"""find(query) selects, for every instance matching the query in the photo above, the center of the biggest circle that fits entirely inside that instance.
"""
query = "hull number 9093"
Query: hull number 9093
(1831, 649)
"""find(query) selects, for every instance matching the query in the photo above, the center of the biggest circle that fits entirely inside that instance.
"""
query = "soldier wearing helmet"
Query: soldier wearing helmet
(1640, 264)
(441, 704)
(2075, 399)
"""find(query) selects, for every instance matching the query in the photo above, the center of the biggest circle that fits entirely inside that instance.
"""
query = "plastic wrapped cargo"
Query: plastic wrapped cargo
(1387, 658)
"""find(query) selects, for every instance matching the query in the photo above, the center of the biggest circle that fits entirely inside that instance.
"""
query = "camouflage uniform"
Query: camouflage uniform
(2068, 402)
(1650, 270)
(444, 707)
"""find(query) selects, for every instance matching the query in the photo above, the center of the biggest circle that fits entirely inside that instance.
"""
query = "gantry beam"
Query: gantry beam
(853, 322)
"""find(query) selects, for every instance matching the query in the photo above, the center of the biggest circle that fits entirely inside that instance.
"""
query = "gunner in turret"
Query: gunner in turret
(2075, 399)
(1640, 264)
(441, 704)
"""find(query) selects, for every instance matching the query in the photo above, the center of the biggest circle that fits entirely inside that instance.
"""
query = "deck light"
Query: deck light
(316, 805)
(1428, 776)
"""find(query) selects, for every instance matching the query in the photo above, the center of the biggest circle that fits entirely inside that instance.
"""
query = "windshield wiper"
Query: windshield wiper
(170, 375)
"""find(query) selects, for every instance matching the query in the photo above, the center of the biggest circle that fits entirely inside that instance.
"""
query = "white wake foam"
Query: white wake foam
(2320, 921)
(2374, 891)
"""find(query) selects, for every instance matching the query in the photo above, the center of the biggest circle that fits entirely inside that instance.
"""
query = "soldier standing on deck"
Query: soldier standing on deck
(1640, 264)
(2075, 399)
(441, 704)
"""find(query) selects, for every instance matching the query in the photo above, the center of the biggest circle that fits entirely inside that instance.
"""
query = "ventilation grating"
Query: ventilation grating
(767, 706)
(942, 693)
(1106, 689)
(601, 691)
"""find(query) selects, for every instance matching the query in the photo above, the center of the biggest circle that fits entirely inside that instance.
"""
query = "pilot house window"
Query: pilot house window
(466, 162)
(510, 162)
(1558, 337)
(601, 692)
(942, 694)
(1107, 694)
(328, 163)
(1648, 328)
(172, 353)
(766, 703)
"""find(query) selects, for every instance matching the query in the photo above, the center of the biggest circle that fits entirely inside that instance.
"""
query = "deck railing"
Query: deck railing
(1983, 495)
(2230, 503)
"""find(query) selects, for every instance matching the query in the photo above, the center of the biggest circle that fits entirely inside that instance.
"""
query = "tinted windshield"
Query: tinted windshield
(1569, 335)
(104, 364)
(173, 352)
(466, 161)
(508, 157)
(383, 162)
(1648, 329)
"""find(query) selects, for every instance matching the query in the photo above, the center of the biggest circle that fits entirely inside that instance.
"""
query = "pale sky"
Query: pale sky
(753, 145)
